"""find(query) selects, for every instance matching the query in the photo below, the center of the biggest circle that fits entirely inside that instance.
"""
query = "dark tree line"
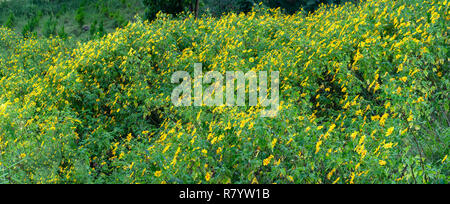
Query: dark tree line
(170, 7)
(219, 7)
(44, 16)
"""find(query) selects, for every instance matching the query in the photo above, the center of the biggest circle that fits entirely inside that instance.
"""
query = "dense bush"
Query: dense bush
(116, 13)
(79, 16)
(358, 85)
(62, 32)
(50, 27)
(30, 26)
(218, 8)
(292, 6)
(167, 6)
(11, 20)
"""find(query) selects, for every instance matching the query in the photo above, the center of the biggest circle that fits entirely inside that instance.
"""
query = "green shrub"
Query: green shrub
(93, 29)
(166, 6)
(50, 27)
(10, 23)
(28, 28)
(79, 16)
(360, 87)
(62, 33)
(101, 29)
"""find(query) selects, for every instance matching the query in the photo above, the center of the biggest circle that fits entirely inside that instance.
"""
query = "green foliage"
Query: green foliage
(222, 7)
(119, 20)
(93, 29)
(364, 100)
(50, 27)
(79, 16)
(62, 33)
(288, 6)
(116, 13)
(10, 23)
(28, 28)
(101, 29)
(167, 6)
(64, 13)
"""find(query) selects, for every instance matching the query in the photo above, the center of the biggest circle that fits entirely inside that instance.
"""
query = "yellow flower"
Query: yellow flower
(388, 104)
(307, 129)
(354, 134)
(382, 163)
(404, 131)
(410, 118)
(199, 114)
(158, 173)
(167, 148)
(375, 118)
(318, 146)
(336, 180)
(208, 176)
(3, 107)
(267, 160)
(332, 126)
(331, 174)
(278, 162)
(290, 178)
(445, 158)
(388, 145)
(383, 119)
(129, 137)
(389, 131)
(274, 142)
(399, 90)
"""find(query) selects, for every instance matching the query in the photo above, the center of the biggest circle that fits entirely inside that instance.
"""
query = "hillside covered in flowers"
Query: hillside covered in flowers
(363, 99)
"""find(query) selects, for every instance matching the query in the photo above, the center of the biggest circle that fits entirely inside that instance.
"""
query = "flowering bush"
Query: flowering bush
(358, 87)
